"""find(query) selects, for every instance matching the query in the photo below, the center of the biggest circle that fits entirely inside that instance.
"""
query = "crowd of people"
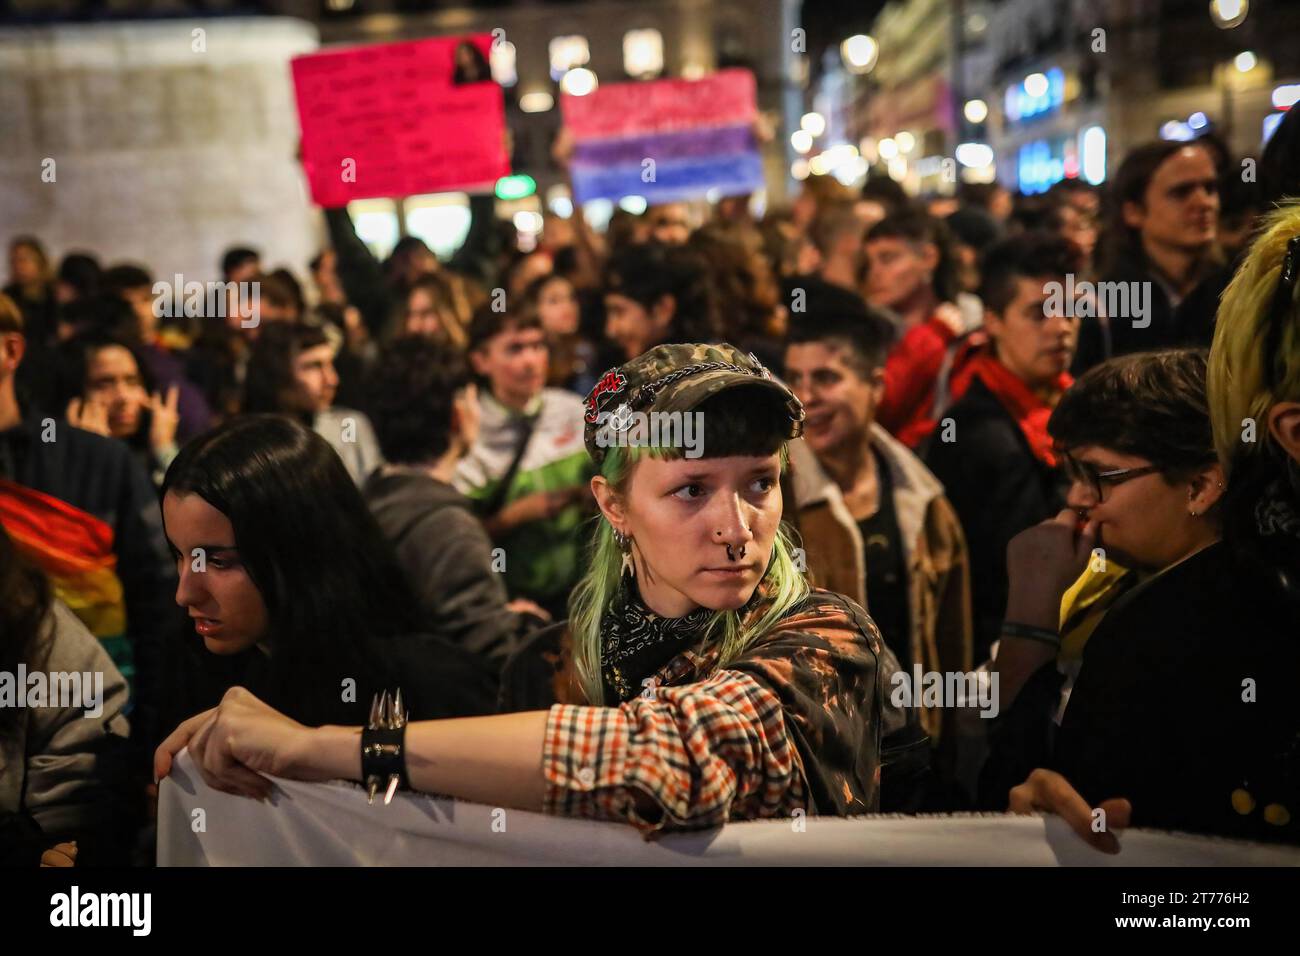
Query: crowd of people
(947, 443)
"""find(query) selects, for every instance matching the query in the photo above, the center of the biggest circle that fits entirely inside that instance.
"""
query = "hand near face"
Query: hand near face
(1042, 562)
(1048, 792)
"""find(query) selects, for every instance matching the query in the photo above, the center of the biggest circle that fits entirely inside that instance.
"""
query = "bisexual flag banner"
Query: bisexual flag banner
(666, 140)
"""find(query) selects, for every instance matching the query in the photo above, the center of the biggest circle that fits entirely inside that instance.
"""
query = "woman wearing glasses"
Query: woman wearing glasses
(1184, 714)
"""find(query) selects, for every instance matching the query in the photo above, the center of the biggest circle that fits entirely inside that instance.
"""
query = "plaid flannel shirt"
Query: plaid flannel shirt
(793, 724)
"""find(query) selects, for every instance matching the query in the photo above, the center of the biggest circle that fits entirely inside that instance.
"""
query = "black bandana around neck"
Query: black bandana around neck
(635, 642)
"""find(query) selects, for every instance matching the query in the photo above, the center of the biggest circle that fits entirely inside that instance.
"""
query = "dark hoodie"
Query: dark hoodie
(448, 559)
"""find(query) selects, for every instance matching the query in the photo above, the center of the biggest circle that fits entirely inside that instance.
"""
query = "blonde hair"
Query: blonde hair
(1238, 383)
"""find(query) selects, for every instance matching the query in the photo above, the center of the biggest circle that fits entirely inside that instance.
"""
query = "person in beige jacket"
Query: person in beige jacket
(874, 521)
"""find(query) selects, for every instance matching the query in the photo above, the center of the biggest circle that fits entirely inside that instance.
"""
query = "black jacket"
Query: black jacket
(1186, 695)
(437, 680)
(998, 489)
(447, 556)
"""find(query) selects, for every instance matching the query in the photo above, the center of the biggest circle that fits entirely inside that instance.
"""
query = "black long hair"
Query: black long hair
(332, 586)
(647, 271)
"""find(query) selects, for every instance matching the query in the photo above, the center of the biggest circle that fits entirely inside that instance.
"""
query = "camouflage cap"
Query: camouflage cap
(676, 378)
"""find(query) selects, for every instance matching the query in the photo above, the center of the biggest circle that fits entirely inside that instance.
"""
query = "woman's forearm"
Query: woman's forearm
(493, 760)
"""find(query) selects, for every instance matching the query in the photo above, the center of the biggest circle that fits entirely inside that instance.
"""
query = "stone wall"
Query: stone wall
(160, 142)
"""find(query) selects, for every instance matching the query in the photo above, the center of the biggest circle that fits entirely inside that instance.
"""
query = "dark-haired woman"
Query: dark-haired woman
(63, 763)
(291, 587)
(573, 355)
(110, 391)
(698, 678)
(656, 294)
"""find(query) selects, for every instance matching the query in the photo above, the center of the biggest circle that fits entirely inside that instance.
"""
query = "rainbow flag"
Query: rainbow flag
(666, 140)
(75, 550)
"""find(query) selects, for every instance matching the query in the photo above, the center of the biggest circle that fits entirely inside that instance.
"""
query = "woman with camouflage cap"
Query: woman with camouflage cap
(698, 679)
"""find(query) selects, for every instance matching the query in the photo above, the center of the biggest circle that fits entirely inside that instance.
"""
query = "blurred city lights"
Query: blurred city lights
(566, 53)
(636, 205)
(976, 111)
(538, 101)
(905, 140)
(1197, 120)
(1285, 97)
(643, 53)
(528, 222)
(859, 53)
(974, 155)
(578, 82)
(1227, 14)
(1177, 130)
(515, 186)
(502, 60)
(801, 140)
(799, 168)
(887, 149)
(813, 123)
(1245, 61)
(898, 169)
(1036, 84)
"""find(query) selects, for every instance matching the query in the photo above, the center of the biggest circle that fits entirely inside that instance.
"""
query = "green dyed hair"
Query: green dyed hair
(739, 421)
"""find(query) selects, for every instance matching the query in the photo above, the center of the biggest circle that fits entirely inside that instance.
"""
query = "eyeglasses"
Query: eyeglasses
(1086, 474)
(1283, 299)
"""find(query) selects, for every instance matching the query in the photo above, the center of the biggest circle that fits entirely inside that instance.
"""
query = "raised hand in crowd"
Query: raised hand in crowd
(88, 415)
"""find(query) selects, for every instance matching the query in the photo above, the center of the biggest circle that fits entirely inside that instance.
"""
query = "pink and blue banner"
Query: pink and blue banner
(666, 140)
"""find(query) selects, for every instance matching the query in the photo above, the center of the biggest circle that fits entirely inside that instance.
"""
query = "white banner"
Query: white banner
(331, 824)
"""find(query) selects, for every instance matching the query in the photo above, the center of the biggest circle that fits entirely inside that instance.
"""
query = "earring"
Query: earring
(624, 543)
(1194, 514)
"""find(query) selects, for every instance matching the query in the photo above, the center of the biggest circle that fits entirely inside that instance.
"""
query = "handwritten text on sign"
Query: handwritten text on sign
(390, 120)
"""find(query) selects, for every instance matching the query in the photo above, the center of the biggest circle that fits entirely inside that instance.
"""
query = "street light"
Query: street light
(887, 148)
(578, 82)
(1036, 84)
(1245, 61)
(905, 140)
(813, 123)
(1227, 14)
(801, 140)
(859, 53)
(976, 111)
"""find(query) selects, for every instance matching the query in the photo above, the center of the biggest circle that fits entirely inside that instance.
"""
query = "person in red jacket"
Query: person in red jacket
(912, 273)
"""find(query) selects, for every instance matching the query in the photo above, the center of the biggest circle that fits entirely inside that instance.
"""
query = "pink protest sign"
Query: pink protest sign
(726, 98)
(392, 119)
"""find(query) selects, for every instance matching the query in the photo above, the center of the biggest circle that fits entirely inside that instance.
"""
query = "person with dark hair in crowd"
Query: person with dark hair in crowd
(1134, 435)
(887, 193)
(992, 452)
(240, 264)
(134, 286)
(527, 471)
(655, 294)
(426, 416)
(1279, 167)
(668, 223)
(65, 783)
(912, 272)
(92, 519)
(874, 520)
(993, 198)
(572, 354)
(435, 310)
(110, 391)
(291, 371)
(1160, 243)
(32, 288)
(1184, 714)
(78, 278)
(747, 294)
(292, 589)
